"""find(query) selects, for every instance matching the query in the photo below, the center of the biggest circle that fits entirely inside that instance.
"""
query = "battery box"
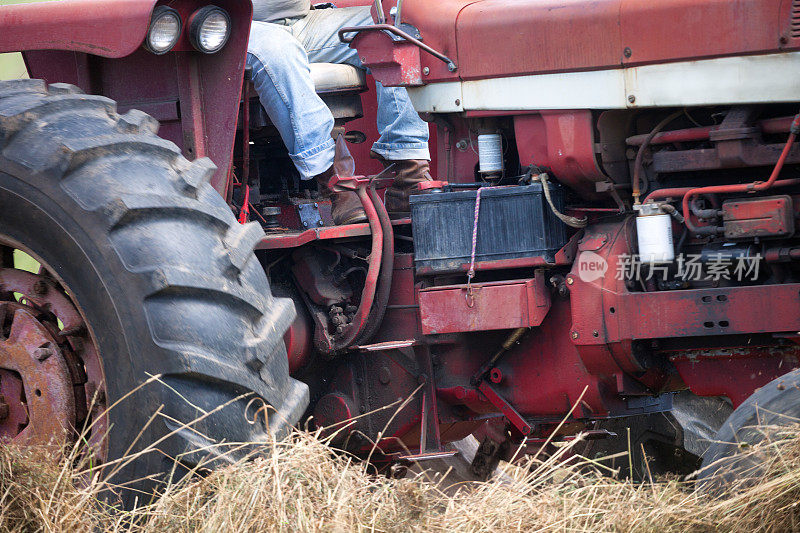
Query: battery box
(514, 222)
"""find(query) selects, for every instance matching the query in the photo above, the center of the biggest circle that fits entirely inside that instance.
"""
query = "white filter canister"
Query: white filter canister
(654, 233)
(490, 152)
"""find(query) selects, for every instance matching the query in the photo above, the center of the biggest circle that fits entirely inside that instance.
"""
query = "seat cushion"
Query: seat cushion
(331, 77)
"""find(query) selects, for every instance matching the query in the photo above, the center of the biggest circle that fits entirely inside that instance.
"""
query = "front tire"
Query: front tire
(164, 277)
(725, 463)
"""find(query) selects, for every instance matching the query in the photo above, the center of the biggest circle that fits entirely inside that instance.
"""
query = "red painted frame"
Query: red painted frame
(195, 96)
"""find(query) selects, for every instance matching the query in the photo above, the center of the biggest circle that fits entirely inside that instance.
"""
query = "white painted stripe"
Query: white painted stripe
(728, 80)
(437, 97)
(599, 89)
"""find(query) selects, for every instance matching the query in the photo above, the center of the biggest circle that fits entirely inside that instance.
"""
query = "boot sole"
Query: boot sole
(355, 219)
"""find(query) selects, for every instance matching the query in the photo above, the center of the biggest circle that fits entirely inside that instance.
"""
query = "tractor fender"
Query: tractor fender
(108, 29)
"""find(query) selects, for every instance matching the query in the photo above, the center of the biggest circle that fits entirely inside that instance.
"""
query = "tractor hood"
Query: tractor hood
(499, 38)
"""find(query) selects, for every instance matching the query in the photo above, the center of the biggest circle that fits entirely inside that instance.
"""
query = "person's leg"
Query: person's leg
(403, 135)
(282, 78)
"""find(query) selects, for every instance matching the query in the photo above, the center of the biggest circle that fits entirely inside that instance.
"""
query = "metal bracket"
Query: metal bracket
(506, 408)
(451, 66)
(309, 215)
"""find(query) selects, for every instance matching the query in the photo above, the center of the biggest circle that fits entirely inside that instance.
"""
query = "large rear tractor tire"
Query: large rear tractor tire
(143, 271)
(731, 461)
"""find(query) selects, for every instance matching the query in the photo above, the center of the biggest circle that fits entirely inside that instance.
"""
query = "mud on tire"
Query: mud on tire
(164, 275)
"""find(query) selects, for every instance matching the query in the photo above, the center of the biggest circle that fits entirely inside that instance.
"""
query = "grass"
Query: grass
(303, 485)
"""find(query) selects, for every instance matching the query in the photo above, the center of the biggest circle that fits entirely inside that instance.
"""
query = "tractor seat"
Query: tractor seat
(332, 77)
(339, 87)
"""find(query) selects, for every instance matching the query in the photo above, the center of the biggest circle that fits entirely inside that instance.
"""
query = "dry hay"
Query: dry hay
(303, 485)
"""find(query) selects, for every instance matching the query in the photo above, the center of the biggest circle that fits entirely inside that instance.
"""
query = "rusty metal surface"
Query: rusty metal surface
(395, 63)
(728, 154)
(732, 376)
(506, 408)
(701, 312)
(391, 59)
(702, 133)
(497, 305)
(607, 318)
(51, 378)
(47, 397)
(759, 217)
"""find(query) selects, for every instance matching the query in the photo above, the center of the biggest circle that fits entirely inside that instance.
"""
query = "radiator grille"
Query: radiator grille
(795, 24)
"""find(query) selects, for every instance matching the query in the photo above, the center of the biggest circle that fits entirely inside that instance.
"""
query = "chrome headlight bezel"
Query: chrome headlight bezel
(198, 20)
(160, 14)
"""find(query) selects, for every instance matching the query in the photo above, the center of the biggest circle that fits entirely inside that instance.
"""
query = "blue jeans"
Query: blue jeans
(280, 55)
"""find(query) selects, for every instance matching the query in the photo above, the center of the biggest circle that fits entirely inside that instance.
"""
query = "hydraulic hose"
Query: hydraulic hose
(359, 321)
(387, 269)
(637, 165)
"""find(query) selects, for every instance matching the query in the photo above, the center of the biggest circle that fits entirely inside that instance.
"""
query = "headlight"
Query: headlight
(165, 29)
(209, 29)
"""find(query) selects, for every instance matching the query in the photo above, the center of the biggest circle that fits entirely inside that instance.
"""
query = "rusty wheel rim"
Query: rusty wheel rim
(52, 387)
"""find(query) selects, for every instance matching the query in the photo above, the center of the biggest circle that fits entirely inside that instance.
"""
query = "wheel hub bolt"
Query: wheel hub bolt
(43, 352)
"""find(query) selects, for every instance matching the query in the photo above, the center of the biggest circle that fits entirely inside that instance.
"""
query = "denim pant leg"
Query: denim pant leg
(403, 135)
(282, 79)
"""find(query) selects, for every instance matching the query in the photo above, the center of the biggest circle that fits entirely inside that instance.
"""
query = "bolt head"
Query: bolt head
(426, 70)
(574, 334)
(627, 52)
(570, 281)
(42, 353)
(631, 98)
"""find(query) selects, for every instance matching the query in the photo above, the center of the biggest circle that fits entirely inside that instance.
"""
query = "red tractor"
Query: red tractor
(612, 231)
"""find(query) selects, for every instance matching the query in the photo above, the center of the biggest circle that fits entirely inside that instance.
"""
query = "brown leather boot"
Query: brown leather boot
(345, 206)
(407, 173)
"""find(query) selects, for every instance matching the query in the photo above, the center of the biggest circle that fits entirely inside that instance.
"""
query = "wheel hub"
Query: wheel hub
(51, 382)
(36, 385)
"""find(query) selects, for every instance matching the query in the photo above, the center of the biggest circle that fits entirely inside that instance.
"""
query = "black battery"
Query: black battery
(514, 222)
